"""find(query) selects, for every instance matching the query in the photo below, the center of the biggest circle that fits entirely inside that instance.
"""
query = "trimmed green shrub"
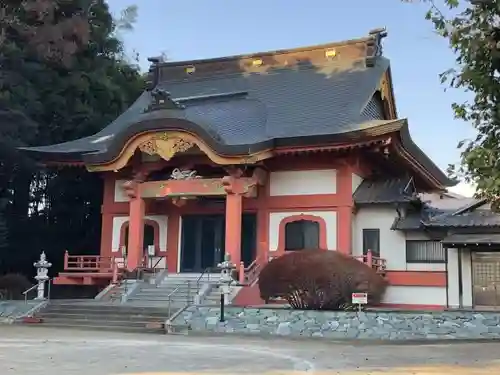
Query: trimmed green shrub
(319, 280)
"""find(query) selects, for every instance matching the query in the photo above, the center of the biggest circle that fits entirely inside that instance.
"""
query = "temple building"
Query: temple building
(257, 155)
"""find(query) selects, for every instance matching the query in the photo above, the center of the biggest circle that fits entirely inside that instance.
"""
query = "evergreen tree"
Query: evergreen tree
(72, 87)
(473, 31)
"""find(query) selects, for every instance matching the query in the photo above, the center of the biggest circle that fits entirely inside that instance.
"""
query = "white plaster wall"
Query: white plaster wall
(330, 218)
(118, 221)
(453, 279)
(392, 242)
(415, 295)
(284, 183)
(115, 239)
(162, 221)
(466, 278)
(158, 262)
(120, 195)
(356, 181)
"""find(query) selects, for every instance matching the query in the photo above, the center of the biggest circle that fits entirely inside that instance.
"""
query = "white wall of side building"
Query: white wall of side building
(459, 277)
(393, 250)
(392, 242)
(415, 295)
(288, 183)
(356, 181)
(119, 221)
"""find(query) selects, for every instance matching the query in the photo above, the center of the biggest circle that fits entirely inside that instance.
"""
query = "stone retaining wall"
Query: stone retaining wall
(343, 325)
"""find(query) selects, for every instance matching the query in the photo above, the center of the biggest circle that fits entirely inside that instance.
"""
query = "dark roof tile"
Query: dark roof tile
(396, 190)
(458, 239)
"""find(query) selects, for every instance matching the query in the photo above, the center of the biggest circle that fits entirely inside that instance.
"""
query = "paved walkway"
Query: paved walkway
(32, 350)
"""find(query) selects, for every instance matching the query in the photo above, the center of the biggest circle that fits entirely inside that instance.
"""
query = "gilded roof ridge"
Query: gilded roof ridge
(373, 35)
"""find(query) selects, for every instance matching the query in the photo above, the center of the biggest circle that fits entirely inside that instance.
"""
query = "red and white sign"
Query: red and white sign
(359, 298)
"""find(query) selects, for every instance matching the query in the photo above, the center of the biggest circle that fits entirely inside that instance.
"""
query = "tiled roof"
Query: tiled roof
(259, 107)
(477, 218)
(471, 239)
(396, 190)
(290, 98)
(414, 220)
(466, 217)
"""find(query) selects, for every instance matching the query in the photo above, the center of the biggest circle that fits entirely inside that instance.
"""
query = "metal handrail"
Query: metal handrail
(198, 281)
(171, 294)
(158, 262)
(25, 293)
(49, 287)
(151, 266)
(33, 287)
(169, 299)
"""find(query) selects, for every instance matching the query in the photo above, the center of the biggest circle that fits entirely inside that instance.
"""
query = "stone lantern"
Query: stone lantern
(42, 269)
(225, 281)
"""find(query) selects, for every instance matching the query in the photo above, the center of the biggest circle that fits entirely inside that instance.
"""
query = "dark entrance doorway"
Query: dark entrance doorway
(203, 241)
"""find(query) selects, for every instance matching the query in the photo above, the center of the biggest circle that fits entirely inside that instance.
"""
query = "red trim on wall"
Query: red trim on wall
(290, 219)
(417, 278)
(156, 230)
(412, 307)
(318, 202)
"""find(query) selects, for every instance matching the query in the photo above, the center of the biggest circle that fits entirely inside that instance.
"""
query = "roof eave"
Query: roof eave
(425, 164)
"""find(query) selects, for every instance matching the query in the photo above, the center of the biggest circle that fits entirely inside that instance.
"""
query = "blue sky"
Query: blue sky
(211, 28)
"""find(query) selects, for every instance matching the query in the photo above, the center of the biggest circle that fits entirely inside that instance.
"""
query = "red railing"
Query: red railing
(88, 263)
(248, 275)
(377, 263)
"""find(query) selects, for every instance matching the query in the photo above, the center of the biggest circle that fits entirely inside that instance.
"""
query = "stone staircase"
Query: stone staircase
(102, 316)
(175, 290)
(145, 310)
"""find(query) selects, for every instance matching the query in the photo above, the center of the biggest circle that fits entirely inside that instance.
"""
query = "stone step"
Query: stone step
(193, 276)
(215, 297)
(167, 289)
(106, 309)
(162, 299)
(99, 315)
(179, 294)
(105, 317)
(102, 322)
(99, 327)
(176, 283)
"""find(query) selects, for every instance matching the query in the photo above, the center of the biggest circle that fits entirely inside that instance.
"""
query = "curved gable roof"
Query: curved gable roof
(294, 94)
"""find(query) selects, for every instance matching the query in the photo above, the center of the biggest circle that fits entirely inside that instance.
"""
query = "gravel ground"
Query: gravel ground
(36, 350)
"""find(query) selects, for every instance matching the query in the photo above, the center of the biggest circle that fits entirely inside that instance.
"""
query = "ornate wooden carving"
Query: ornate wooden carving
(165, 146)
(183, 174)
(131, 187)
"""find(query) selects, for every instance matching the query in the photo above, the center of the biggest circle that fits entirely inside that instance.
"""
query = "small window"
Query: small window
(301, 234)
(425, 252)
(371, 241)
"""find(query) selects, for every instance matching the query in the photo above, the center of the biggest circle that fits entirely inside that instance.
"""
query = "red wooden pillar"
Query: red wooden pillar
(344, 210)
(135, 232)
(233, 227)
